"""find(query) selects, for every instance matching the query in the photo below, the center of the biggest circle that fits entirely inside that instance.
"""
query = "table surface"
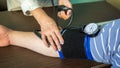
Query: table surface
(17, 57)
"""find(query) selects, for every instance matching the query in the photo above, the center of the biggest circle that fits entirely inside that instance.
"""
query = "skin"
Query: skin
(18, 38)
(49, 29)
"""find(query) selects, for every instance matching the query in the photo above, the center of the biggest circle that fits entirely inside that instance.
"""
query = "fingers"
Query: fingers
(69, 12)
(51, 42)
(44, 39)
(62, 14)
(65, 15)
(54, 39)
(58, 34)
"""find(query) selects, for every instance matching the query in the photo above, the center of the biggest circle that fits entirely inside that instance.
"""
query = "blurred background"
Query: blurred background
(83, 1)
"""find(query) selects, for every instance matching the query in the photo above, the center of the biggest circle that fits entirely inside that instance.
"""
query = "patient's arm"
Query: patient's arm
(25, 39)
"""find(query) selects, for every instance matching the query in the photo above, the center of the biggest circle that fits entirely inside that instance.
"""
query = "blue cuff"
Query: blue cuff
(87, 47)
(61, 55)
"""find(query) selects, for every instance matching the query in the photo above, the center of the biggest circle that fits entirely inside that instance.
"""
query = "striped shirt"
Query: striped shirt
(105, 46)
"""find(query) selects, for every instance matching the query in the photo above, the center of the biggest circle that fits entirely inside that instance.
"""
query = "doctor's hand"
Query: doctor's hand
(51, 34)
(62, 14)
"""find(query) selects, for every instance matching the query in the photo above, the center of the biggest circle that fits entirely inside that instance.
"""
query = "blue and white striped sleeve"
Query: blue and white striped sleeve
(115, 45)
(106, 46)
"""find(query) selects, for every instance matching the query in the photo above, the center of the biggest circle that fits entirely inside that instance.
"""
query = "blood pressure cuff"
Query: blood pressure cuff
(74, 44)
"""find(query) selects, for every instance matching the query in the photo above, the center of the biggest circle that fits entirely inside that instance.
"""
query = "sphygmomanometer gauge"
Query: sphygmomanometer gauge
(91, 29)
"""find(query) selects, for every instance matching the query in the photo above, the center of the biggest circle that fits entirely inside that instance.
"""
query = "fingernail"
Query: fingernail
(61, 43)
(69, 13)
(59, 49)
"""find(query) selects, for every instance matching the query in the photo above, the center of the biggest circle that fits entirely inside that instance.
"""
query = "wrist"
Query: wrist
(10, 36)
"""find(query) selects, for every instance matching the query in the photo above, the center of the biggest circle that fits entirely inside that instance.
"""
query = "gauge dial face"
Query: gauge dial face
(91, 28)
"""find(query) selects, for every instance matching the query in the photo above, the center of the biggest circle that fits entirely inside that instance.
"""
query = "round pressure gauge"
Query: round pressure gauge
(91, 29)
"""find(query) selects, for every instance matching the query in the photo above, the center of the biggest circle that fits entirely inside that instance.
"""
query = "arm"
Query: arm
(49, 29)
(26, 40)
(30, 41)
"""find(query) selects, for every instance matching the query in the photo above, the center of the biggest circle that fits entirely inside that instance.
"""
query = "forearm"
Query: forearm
(40, 15)
(30, 41)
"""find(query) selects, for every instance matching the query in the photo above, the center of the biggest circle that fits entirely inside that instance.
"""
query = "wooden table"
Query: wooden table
(17, 57)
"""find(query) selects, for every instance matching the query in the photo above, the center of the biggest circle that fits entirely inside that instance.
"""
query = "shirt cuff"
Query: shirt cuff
(29, 5)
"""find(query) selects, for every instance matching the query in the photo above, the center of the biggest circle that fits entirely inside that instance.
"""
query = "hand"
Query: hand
(4, 36)
(62, 14)
(50, 32)
(49, 29)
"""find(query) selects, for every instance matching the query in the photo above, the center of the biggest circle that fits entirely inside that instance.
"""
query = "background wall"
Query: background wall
(83, 1)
